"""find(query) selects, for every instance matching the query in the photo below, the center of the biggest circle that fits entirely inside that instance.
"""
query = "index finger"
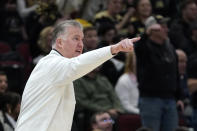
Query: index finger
(135, 39)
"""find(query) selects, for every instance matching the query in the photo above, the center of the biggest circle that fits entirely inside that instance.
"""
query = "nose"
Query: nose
(81, 44)
(4, 83)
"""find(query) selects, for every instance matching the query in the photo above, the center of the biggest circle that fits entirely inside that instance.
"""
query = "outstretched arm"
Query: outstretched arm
(125, 45)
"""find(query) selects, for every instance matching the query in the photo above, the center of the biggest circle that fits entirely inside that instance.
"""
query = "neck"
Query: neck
(111, 13)
(143, 18)
(57, 51)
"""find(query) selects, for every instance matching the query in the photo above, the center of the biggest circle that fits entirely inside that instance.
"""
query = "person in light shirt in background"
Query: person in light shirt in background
(126, 87)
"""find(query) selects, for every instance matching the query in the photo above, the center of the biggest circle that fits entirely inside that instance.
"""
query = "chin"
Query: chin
(77, 54)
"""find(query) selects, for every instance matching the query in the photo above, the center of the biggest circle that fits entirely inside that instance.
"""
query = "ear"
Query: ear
(59, 43)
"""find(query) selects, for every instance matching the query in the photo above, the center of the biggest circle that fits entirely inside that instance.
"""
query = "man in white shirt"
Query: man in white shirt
(48, 101)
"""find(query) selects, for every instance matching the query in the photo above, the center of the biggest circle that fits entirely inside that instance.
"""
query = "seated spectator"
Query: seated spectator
(9, 110)
(126, 87)
(95, 93)
(113, 68)
(3, 82)
(44, 42)
(101, 121)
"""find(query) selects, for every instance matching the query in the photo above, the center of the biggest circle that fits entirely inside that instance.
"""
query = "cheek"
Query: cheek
(68, 46)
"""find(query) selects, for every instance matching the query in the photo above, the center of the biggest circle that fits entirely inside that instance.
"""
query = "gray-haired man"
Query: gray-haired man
(48, 101)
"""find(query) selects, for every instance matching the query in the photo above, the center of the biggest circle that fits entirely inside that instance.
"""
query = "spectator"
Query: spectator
(25, 8)
(113, 68)
(106, 33)
(9, 110)
(192, 84)
(95, 93)
(126, 87)
(192, 75)
(180, 28)
(166, 8)
(12, 27)
(111, 15)
(92, 7)
(44, 43)
(3, 82)
(90, 38)
(143, 11)
(193, 39)
(101, 121)
(182, 66)
(38, 15)
(157, 75)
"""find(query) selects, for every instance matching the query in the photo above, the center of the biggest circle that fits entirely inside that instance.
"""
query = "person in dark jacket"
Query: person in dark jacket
(157, 74)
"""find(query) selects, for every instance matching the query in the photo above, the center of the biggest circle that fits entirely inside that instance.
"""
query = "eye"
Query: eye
(76, 38)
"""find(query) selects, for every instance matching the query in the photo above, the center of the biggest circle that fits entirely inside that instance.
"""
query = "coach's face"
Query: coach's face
(71, 43)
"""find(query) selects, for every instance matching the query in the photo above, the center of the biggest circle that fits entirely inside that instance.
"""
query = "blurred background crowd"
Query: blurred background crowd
(161, 74)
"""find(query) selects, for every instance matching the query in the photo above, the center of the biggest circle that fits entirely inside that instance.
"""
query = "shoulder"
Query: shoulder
(102, 78)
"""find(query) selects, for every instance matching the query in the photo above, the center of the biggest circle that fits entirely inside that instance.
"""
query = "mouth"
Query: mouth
(2, 89)
(78, 51)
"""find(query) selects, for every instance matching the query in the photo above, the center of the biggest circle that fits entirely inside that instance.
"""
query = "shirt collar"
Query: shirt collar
(54, 51)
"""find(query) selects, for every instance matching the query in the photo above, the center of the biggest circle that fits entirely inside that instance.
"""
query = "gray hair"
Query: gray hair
(62, 28)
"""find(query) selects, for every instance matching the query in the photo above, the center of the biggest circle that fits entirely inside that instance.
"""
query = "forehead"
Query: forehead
(93, 31)
(143, 2)
(102, 116)
(3, 77)
(191, 5)
(115, 1)
(75, 31)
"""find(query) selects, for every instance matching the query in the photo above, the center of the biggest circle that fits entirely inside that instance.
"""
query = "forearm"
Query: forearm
(114, 49)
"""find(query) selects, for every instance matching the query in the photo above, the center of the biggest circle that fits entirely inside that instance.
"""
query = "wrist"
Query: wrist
(114, 49)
